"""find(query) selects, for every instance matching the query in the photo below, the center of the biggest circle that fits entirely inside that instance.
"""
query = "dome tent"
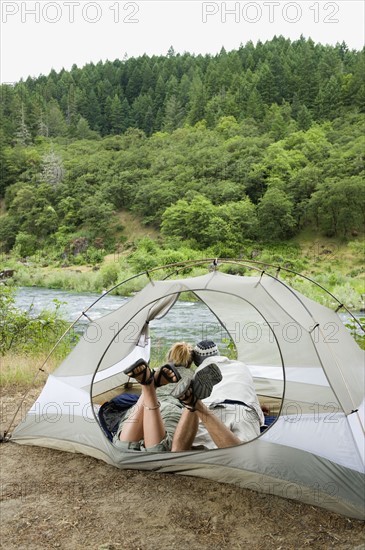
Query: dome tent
(299, 354)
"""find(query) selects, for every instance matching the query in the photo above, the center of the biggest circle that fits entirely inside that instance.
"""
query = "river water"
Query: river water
(189, 321)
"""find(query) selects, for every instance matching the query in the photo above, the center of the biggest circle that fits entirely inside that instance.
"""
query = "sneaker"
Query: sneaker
(204, 380)
(201, 384)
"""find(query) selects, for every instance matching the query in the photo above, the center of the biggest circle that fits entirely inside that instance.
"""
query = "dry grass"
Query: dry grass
(134, 228)
(20, 370)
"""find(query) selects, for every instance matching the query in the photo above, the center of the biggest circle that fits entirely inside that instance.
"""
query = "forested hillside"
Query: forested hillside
(253, 144)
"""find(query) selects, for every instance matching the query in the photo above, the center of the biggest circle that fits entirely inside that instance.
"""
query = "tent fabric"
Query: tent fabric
(298, 352)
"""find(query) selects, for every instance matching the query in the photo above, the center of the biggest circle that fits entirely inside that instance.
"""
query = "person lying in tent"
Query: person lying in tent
(229, 416)
(150, 424)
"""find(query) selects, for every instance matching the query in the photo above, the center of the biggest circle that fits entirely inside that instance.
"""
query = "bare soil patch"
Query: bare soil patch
(52, 499)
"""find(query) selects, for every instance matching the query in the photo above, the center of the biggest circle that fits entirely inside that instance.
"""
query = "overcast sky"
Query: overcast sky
(39, 36)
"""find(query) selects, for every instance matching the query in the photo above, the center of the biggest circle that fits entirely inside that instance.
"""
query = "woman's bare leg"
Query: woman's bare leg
(132, 429)
(146, 422)
(153, 426)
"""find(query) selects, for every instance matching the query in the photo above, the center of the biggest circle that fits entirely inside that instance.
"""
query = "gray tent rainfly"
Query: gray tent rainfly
(301, 357)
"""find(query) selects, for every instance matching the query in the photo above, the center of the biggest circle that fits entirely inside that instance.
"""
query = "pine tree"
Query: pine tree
(328, 102)
(276, 123)
(255, 106)
(93, 112)
(83, 130)
(55, 120)
(22, 133)
(197, 101)
(148, 123)
(171, 52)
(126, 119)
(173, 114)
(357, 86)
(116, 116)
(304, 118)
(159, 94)
(306, 71)
(143, 113)
(52, 169)
(71, 106)
(148, 80)
(266, 85)
(43, 129)
(172, 86)
(134, 85)
(295, 106)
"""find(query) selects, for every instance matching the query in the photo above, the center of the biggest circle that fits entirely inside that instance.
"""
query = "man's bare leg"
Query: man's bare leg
(219, 432)
(185, 431)
(188, 426)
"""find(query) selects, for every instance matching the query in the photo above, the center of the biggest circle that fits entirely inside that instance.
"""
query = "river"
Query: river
(189, 321)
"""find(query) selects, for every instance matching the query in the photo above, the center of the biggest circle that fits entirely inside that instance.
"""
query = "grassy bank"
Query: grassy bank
(336, 265)
(22, 371)
(339, 267)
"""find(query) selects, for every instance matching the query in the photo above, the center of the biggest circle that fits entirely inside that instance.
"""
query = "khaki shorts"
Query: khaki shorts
(127, 446)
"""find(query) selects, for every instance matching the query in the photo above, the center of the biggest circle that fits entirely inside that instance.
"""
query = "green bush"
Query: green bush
(357, 333)
(25, 245)
(26, 333)
(235, 269)
(108, 275)
(347, 295)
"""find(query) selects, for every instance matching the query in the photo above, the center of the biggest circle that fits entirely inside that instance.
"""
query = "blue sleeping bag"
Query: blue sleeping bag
(111, 412)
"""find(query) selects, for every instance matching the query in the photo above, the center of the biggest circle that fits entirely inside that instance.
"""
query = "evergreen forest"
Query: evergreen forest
(211, 151)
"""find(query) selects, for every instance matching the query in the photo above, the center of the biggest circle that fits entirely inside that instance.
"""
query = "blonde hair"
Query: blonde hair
(181, 354)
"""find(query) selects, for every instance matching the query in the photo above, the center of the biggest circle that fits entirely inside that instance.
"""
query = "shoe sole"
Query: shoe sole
(180, 387)
(202, 382)
(205, 379)
(134, 365)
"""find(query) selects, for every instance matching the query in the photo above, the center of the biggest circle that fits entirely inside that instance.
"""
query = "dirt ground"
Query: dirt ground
(52, 499)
